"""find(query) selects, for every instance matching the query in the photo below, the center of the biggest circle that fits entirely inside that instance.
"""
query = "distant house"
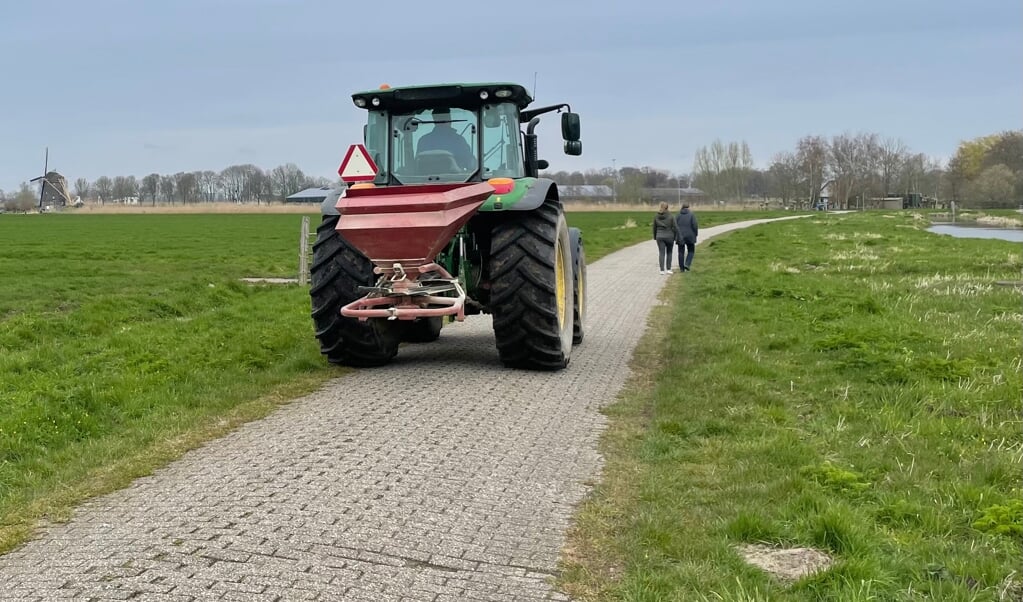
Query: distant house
(587, 191)
(310, 195)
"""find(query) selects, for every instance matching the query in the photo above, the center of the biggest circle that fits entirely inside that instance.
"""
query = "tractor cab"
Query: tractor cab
(456, 133)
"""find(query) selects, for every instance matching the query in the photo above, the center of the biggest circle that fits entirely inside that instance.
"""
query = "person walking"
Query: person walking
(686, 230)
(665, 235)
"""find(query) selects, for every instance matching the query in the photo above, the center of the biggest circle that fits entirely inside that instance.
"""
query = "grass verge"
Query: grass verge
(846, 383)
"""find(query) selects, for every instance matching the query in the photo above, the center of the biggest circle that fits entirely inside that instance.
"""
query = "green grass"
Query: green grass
(849, 383)
(127, 339)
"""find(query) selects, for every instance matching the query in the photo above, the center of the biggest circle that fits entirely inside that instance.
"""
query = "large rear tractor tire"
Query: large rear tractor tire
(578, 285)
(338, 270)
(531, 288)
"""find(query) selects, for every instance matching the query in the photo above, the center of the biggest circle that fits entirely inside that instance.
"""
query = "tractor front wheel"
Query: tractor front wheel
(338, 270)
(578, 285)
(531, 295)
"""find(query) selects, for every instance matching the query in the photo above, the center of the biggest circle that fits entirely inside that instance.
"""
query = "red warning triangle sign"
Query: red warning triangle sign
(357, 165)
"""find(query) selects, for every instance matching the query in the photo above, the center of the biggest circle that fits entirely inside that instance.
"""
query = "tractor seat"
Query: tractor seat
(433, 162)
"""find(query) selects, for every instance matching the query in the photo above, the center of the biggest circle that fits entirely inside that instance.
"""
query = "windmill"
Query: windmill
(53, 186)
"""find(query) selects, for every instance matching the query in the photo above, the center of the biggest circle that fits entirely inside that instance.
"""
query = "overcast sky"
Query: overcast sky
(130, 87)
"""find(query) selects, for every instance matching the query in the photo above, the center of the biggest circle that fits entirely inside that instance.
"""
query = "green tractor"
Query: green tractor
(445, 215)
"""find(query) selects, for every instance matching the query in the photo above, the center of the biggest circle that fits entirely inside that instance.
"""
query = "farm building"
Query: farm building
(310, 195)
(586, 192)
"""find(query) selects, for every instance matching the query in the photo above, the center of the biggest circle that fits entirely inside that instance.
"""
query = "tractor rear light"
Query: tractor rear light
(484, 95)
(503, 93)
(362, 185)
(375, 101)
(360, 102)
(502, 185)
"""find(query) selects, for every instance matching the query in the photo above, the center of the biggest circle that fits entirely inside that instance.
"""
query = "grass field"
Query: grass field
(849, 384)
(127, 339)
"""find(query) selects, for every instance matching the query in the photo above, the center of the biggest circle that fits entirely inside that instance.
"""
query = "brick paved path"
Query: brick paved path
(443, 476)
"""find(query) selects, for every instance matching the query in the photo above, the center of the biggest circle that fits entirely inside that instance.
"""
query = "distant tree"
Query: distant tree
(150, 188)
(812, 157)
(708, 170)
(209, 184)
(167, 189)
(1007, 150)
(26, 199)
(82, 188)
(287, 179)
(104, 187)
(125, 188)
(892, 155)
(994, 187)
(185, 187)
(783, 178)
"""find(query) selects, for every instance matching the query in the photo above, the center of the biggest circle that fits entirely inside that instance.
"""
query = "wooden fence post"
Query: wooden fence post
(303, 254)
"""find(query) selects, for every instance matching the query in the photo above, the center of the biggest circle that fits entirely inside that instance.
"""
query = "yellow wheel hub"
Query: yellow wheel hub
(559, 283)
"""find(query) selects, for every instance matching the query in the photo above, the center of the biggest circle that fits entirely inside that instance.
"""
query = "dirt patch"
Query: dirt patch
(788, 564)
(270, 280)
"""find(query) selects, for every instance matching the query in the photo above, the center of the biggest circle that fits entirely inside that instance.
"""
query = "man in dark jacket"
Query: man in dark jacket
(687, 230)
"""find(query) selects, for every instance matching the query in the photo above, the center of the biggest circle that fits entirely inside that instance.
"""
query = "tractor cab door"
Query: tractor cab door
(502, 148)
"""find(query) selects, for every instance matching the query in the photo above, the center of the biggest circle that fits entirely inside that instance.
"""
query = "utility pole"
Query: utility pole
(614, 181)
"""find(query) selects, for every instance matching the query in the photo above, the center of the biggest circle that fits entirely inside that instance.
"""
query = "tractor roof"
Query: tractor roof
(468, 96)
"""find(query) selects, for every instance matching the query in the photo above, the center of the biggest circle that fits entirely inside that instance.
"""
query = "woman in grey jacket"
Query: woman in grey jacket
(665, 235)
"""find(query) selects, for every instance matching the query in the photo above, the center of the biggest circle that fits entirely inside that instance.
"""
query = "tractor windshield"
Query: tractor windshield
(434, 145)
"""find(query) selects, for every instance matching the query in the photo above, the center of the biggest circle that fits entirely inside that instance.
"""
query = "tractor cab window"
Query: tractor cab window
(434, 145)
(502, 154)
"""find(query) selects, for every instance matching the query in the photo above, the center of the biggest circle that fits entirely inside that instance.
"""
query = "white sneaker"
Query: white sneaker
(669, 272)
(663, 272)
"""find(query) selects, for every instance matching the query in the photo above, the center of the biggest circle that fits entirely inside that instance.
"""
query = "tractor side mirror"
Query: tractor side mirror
(573, 147)
(542, 164)
(570, 127)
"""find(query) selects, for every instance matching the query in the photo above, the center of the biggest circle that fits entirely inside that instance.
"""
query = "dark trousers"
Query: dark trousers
(664, 252)
(686, 250)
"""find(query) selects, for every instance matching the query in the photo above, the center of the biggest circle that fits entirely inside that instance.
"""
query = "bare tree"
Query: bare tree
(783, 177)
(287, 179)
(167, 188)
(185, 187)
(104, 187)
(812, 156)
(209, 184)
(150, 187)
(892, 156)
(125, 188)
(82, 188)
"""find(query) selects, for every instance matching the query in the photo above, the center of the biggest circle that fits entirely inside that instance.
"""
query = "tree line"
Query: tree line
(852, 169)
(236, 184)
